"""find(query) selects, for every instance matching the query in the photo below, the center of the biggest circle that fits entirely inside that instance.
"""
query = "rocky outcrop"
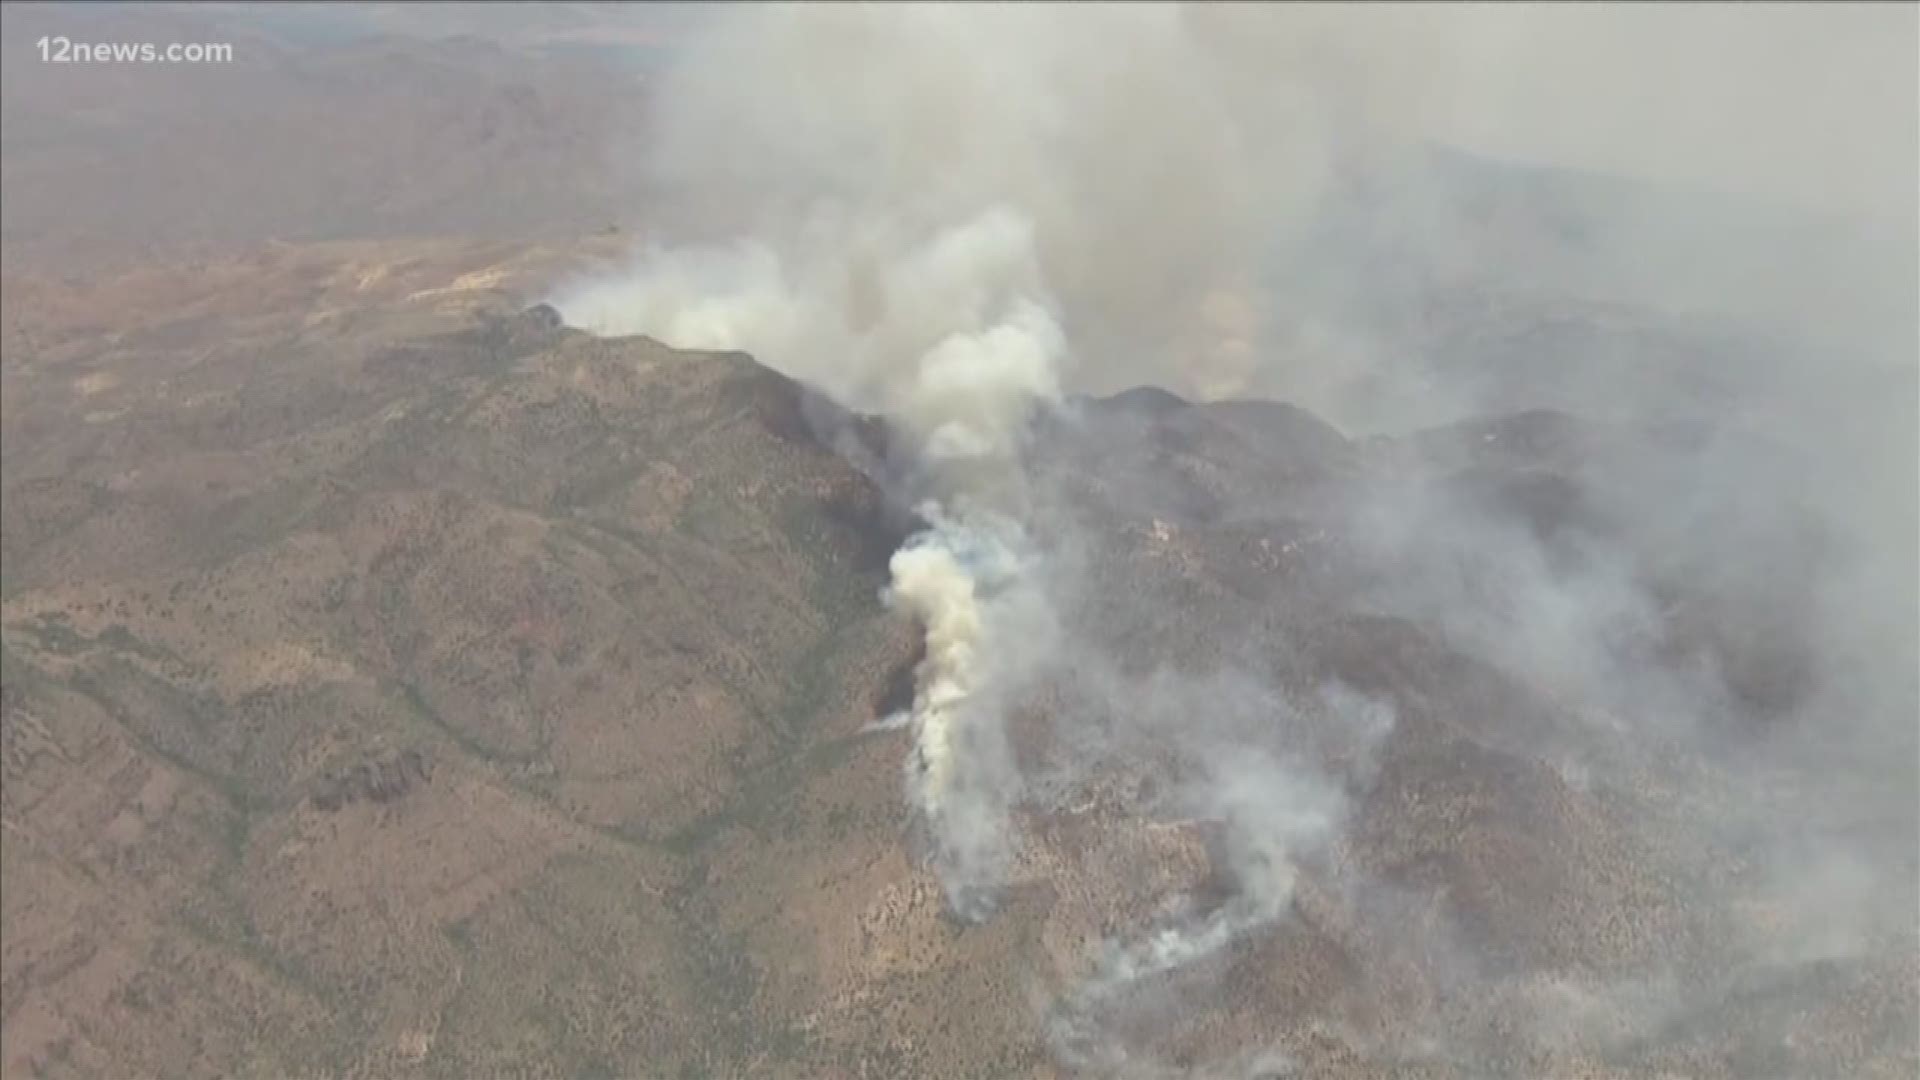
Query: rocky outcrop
(383, 779)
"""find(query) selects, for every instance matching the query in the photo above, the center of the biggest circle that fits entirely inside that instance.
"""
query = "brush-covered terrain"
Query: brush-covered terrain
(400, 684)
(396, 681)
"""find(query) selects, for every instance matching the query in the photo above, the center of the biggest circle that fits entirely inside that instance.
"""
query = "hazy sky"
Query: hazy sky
(1817, 103)
(1814, 103)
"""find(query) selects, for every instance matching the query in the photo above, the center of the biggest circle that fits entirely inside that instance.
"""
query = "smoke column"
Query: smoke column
(950, 216)
(946, 199)
(960, 326)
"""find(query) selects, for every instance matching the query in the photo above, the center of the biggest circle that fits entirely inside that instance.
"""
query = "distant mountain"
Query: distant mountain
(1471, 285)
(300, 137)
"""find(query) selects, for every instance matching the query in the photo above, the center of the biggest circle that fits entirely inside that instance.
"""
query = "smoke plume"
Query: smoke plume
(964, 218)
(928, 252)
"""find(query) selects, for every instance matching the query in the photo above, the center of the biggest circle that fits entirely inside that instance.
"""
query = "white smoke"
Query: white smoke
(1272, 815)
(969, 583)
(949, 216)
(929, 252)
(905, 172)
(948, 332)
(951, 337)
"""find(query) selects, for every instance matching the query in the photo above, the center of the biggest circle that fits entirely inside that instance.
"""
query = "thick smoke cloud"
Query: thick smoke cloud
(1172, 167)
(1130, 162)
(939, 200)
(958, 217)
(969, 582)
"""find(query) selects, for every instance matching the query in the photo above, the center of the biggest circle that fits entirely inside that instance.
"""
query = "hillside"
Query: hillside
(400, 684)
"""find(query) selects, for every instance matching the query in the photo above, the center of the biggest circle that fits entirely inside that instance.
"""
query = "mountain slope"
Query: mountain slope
(400, 684)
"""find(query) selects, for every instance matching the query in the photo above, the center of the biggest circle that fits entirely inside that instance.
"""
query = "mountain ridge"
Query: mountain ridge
(483, 696)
